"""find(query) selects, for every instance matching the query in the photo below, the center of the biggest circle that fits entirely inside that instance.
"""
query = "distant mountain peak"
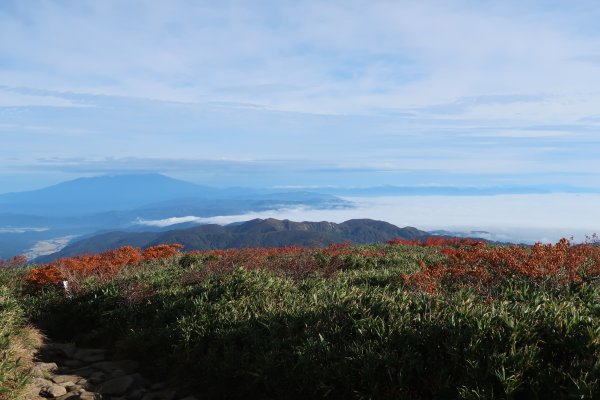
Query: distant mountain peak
(99, 193)
(141, 177)
(269, 232)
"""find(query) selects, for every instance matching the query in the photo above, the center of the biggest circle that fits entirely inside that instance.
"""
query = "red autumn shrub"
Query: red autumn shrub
(404, 242)
(104, 265)
(439, 241)
(468, 262)
(561, 263)
(161, 251)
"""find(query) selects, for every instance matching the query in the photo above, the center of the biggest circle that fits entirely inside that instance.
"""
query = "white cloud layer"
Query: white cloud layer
(21, 229)
(530, 218)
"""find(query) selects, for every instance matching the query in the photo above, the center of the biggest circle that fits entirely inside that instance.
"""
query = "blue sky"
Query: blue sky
(301, 93)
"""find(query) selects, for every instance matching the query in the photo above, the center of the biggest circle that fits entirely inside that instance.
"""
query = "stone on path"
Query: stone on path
(127, 366)
(66, 350)
(89, 355)
(41, 382)
(86, 374)
(69, 396)
(53, 390)
(116, 386)
(41, 369)
(97, 377)
(66, 378)
(89, 396)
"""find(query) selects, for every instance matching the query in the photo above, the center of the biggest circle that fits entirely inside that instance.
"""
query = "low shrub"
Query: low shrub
(482, 268)
(102, 266)
(349, 321)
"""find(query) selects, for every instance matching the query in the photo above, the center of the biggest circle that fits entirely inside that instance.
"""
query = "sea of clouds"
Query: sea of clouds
(519, 218)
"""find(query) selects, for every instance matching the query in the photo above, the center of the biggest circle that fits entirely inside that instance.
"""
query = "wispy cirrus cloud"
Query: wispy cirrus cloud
(373, 88)
(337, 57)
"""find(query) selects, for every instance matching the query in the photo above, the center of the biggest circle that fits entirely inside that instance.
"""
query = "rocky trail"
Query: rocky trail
(66, 372)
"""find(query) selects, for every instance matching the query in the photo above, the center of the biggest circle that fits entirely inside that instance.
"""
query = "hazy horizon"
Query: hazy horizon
(516, 218)
(526, 218)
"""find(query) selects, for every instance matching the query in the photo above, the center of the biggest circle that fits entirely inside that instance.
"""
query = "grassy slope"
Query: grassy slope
(356, 334)
(18, 341)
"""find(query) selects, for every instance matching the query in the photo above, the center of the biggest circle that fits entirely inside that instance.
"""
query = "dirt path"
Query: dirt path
(67, 372)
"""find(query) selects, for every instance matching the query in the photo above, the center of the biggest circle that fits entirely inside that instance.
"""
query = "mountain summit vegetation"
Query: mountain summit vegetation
(431, 318)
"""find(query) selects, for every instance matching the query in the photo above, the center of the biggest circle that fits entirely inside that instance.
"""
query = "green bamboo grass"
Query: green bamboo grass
(358, 333)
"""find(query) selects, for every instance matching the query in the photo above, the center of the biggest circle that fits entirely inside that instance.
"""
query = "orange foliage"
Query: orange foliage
(438, 241)
(103, 265)
(405, 242)
(161, 251)
(468, 262)
(561, 263)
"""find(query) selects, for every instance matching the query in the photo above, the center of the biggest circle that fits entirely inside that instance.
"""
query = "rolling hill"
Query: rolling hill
(254, 233)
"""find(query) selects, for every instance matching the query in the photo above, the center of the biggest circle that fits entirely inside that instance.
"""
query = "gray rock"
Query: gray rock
(63, 349)
(86, 372)
(82, 381)
(69, 396)
(42, 369)
(116, 386)
(41, 382)
(90, 355)
(53, 391)
(115, 374)
(128, 366)
(72, 387)
(68, 349)
(89, 396)
(65, 378)
(115, 380)
(139, 380)
(97, 377)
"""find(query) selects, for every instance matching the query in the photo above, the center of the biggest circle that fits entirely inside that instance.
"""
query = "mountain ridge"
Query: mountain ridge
(101, 193)
(268, 232)
(84, 206)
